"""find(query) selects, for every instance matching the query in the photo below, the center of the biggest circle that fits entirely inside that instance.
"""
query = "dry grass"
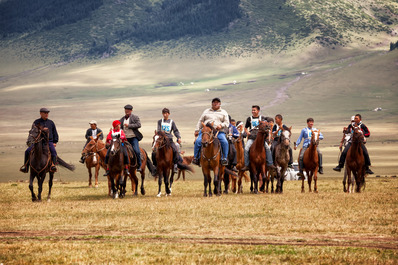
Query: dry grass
(82, 225)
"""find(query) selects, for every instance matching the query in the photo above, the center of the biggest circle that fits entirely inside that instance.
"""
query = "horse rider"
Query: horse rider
(45, 122)
(92, 131)
(306, 135)
(239, 126)
(366, 133)
(221, 122)
(168, 126)
(233, 133)
(113, 134)
(130, 124)
(251, 129)
(276, 133)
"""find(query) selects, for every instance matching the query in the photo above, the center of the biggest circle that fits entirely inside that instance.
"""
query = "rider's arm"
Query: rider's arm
(365, 130)
(175, 130)
(55, 133)
(300, 137)
(134, 122)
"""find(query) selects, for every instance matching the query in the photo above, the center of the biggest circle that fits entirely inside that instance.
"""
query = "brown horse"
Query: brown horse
(282, 157)
(186, 160)
(164, 156)
(355, 161)
(40, 161)
(258, 165)
(93, 160)
(241, 163)
(116, 169)
(310, 161)
(210, 159)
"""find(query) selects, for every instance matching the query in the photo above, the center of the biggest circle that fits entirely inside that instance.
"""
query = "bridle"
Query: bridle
(212, 137)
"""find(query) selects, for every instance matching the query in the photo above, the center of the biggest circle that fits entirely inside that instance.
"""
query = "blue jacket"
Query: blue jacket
(306, 135)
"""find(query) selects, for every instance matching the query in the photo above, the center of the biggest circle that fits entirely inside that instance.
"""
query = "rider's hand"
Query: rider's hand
(295, 147)
(55, 145)
(196, 133)
(179, 141)
(218, 127)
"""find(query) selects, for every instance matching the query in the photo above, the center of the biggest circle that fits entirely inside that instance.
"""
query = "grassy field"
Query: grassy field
(82, 225)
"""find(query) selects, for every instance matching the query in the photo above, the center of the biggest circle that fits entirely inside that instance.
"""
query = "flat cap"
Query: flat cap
(44, 110)
(216, 99)
(128, 106)
(93, 122)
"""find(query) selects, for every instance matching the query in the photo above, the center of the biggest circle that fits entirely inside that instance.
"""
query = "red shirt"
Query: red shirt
(112, 134)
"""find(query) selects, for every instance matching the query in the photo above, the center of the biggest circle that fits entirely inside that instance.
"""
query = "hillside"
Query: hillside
(39, 32)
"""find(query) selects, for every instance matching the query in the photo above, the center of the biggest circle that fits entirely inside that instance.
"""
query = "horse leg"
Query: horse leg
(179, 174)
(110, 189)
(226, 182)
(40, 182)
(345, 179)
(160, 183)
(183, 175)
(239, 190)
(255, 182)
(166, 182)
(171, 180)
(233, 185)
(302, 183)
(50, 185)
(251, 182)
(309, 174)
(315, 180)
(32, 178)
(142, 183)
(97, 168)
(89, 176)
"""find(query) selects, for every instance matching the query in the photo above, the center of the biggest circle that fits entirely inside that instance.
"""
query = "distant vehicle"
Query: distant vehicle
(378, 109)
(291, 173)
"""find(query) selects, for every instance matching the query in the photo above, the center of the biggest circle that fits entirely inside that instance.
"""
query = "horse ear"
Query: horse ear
(203, 125)
(212, 124)
(155, 131)
(290, 129)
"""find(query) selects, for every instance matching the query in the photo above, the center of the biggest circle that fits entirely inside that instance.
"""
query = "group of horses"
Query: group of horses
(260, 176)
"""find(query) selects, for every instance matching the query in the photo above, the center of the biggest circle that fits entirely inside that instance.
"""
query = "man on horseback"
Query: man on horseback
(168, 126)
(276, 134)
(53, 140)
(113, 134)
(366, 133)
(306, 135)
(233, 133)
(130, 124)
(92, 131)
(251, 129)
(221, 122)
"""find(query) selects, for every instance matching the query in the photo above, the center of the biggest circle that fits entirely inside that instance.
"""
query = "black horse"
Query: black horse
(40, 161)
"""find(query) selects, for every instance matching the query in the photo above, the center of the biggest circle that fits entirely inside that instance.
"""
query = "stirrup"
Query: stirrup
(53, 168)
(24, 169)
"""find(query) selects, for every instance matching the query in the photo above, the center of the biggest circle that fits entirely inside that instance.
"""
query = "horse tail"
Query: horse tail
(149, 164)
(182, 166)
(230, 172)
(62, 163)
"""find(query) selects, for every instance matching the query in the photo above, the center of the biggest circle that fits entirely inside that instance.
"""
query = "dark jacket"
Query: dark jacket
(173, 129)
(134, 124)
(89, 133)
(53, 134)
(248, 125)
(364, 129)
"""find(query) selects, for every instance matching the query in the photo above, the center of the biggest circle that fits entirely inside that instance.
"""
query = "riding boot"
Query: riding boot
(107, 172)
(25, 167)
(291, 157)
(368, 170)
(301, 166)
(54, 162)
(175, 168)
(320, 169)
(82, 159)
(126, 171)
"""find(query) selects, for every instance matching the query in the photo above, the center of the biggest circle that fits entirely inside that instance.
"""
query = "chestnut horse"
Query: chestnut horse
(258, 165)
(40, 161)
(310, 161)
(355, 161)
(210, 159)
(282, 157)
(92, 160)
(186, 160)
(241, 163)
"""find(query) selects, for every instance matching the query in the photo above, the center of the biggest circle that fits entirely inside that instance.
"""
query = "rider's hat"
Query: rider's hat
(216, 99)
(128, 106)
(115, 123)
(44, 110)
(93, 122)
(352, 118)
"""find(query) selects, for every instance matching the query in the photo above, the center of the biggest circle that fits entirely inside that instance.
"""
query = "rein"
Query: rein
(212, 137)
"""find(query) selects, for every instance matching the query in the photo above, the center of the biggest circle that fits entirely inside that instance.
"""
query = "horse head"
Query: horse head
(315, 137)
(159, 141)
(207, 134)
(115, 145)
(357, 136)
(285, 136)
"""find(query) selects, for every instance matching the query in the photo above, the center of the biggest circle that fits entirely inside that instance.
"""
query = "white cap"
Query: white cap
(93, 122)
(352, 118)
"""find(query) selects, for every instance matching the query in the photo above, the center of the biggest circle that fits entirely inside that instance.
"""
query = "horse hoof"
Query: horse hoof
(315, 191)
(48, 200)
(210, 195)
(159, 195)
(204, 194)
(168, 194)
(96, 186)
(142, 191)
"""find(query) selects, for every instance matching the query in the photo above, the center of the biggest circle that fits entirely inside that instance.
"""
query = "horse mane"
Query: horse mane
(210, 126)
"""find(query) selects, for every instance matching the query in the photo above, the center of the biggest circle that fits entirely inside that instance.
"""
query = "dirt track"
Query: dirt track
(302, 240)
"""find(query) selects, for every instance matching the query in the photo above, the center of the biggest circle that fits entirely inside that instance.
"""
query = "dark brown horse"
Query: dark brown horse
(116, 168)
(164, 157)
(310, 161)
(355, 161)
(210, 159)
(282, 157)
(258, 165)
(40, 161)
(93, 159)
